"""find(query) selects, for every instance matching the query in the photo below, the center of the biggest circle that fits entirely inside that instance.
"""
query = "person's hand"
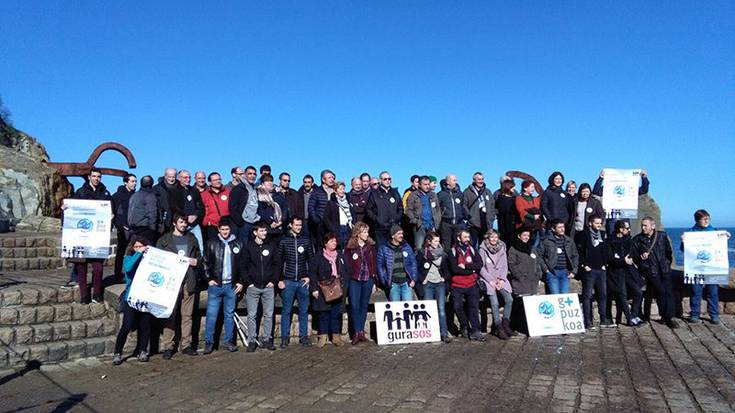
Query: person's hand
(281, 285)
(315, 294)
(411, 284)
(276, 224)
(536, 216)
(588, 269)
(644, 173)
(603, 268)
(461, 266)
(269, 285)
(570, 275)
(682, 237)
(251, 285)
(238, 288)
(628, 260)
(212, 283)
(728, 234)
(64, 206)
(306, 281)
(644, 256)
(193, 262)
(602, 173)
(191, 218)
(126, 228)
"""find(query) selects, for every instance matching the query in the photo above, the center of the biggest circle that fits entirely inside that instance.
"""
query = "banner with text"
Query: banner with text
(86, 229)
(549, 315)
(705, 257)
(157, 282)
(620, 193)
(402, 322)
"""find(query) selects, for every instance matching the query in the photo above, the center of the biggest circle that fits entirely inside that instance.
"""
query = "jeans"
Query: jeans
(295, 290)
(254, 296)
(243, 233)
(557, 281)
(438, 292)
(467, 312)
(344, 236)
(330, 321)
(400, 292)
(713, 300)
(133, 318)
(419, 235)
(360, 292)
(594, 281)
(495, 305)
(217, 296)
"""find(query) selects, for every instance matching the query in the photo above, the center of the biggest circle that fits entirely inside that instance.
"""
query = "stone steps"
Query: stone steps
(30, 252)
(37, 263)
(57, 331)
(22, 251)
(18, 356)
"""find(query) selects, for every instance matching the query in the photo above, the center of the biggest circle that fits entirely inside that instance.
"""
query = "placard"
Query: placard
(403, 322)
(620, 193)
(86, 229)
(553, 314)
(705, 257)
(157, 282)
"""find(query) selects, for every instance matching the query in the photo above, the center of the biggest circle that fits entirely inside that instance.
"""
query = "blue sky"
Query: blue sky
(411, 87)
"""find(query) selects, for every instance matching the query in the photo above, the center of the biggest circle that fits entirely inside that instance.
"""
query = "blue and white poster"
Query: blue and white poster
(705, 257)
(157, 282)
(86, 229)
(553, 314)
(403, 322)
(620, 193)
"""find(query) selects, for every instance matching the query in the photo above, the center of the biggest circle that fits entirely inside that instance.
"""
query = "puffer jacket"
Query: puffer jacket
(214, 255)
(450, 202)
(293, 257)
(385, 264)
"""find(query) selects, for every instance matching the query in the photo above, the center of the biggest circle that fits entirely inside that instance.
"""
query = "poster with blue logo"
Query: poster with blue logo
(157, 282)
(553, 314)
(85, 231)
(620, 193)
(705, 257)
(404, 322)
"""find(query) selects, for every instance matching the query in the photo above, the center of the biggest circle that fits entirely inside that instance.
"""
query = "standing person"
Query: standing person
(479, 205)
(529, 210)
(571, 189)
(200, 181)
(505, 203)
(120, 204)
(327, 264)
(524, 263)
(423, 212)
(494, 273)
(243, 205)
(432, 183)
(702, 223)
(294, 202)
(384, 208)
(143, 212)
(623, 280)
(560, 258)
(183, 243)
(396, 267)
(265, 169)
(362, 268)
(216, 202)
(358, 198)
(318, 203)
(555, 203)
(187, 201)
(338, 215)
(92, 189)
(594, 253)
(294, 257)
(374, 183)
(413, 187)
(236, 173)
(261, 277)
(464, 266)
(132, 318)
(503, 179)
(433, 273)
(453, 214)
(597, 191)
(222, 267)
(652, 254)
(272, 208)
(583, 207)
(365, 180)
(405, 224)
(166, 184)
(305, 191)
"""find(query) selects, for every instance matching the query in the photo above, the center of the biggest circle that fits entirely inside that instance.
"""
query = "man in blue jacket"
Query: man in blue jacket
(397, 267)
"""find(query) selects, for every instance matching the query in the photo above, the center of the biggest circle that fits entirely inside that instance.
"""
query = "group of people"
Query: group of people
(253, 237)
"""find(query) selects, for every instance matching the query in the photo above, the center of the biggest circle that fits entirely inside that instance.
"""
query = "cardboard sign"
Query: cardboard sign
(705, 257)
(86, 229)
(620, 193)
(157, 282)
(403, 322)
(553, 314)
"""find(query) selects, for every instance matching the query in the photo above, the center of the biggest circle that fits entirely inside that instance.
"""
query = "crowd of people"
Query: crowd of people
(255, 237)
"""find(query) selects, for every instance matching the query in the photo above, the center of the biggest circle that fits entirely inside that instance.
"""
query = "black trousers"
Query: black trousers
(469, 311)
(660, 288)
(133, 318)
(122, 245)
(449, 233)
(594, 281)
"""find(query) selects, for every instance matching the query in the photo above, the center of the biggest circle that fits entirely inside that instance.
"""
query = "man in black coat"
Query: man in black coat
(384, 209)
(163, 189)
(120, 202)
(187, 201)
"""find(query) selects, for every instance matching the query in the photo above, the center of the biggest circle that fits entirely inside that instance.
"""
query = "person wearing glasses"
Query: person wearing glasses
(623, 279)
(384, 209)
(294, 202)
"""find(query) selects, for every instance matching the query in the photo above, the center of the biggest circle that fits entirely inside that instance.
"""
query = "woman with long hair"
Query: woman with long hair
(432, 275)
(360, 255)
(507, 212)
(529, 210)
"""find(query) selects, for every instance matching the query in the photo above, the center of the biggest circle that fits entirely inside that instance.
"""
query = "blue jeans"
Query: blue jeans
(360, 292)
(216, 296)
(400, 292)
(712, 297)
(438, 292)
(557, 281)
(330, 321)
(495, 306)
(295, 289)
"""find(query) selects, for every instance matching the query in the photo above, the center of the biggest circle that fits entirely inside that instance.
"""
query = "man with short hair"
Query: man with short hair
(453, 213)
(365, 181)
(120, 203)
(187, 201)
(305, 191)
(479, 206)
(384, 208)
(216, 200)
(358, 198)
(261, 276)
(396, 267)
(464, 266)
(594, 253)
(265, 169)
(423, 212)
(374, 183)
(432, 183)
(180, 242)
(143, 211)
(560, 258)
(294, 202)
(294, 254)
(236, 173)
(244, 204)
(166, 184)
(318, 203)
(200, 181)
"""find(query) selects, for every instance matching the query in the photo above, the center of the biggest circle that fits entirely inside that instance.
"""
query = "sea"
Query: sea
(675, 236)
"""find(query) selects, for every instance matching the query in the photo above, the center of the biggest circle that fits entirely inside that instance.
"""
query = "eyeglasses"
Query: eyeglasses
(285, 180)
(387, 179)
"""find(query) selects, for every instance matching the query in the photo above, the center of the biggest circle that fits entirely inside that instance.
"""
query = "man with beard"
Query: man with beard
(479, 206)
(464, 266)
(294, 202)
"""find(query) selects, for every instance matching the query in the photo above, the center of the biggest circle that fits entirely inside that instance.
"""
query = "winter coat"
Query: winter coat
(555, 204)
(385, 264)
(187, 201)
(588, 254)
(354, 258)
(594, 207)
(330, 220)
(238, 204)
(494, 268)
(120, 203)
(525, 271)
(260, 264)
(216, 205)
(294, 254)
(450, 202)
(267, 214)
(618, 271)
(358, 201)
(143, 210)
(526, 210)
(321, 270)
(471, 204)
(163, 197)
(317, 204)
(86, 192)
(384, 208)
(660, 254)
(214, 256)
(423, 264)
(507, 217)
(471, 269)
(294, 202)
(549, 254)
(414, 208)
(166, 242)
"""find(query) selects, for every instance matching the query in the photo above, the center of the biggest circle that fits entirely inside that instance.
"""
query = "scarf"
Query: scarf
(495, 248)
(434, 254)
(524, 247)
(596, 238)
(344, 206)
(267, 197)
(332, 258)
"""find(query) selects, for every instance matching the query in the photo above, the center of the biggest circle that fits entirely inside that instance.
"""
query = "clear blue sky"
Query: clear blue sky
(411, 86)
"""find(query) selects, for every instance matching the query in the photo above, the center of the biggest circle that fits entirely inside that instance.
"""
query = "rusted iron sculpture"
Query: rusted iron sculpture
(525, 176)
(83, 169)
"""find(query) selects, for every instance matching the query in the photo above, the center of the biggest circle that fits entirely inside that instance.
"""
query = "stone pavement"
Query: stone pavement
(652, 368)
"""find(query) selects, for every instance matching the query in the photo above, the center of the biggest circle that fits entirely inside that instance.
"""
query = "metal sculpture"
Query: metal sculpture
(83, 169)
(525, 176)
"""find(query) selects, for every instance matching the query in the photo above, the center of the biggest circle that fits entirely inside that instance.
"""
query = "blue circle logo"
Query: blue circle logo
(704, 256)
(546, 309)
(85, 225)
(156, 279)
(619, 190)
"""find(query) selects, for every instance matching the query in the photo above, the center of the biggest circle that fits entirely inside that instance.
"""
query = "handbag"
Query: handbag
(331, 289)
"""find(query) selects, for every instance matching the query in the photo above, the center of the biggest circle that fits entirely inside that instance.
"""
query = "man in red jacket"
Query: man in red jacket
(464, 265)
(216, 205)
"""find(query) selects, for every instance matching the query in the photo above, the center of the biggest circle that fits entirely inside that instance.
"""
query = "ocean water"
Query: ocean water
(675, 235)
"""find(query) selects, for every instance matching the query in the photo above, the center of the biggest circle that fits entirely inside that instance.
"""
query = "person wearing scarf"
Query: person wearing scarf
(594, 253)
(494, 273)
(464, 264)
(327, 264)
(271, 206)
(432, 273)
(361, 262)
(338, 215)
(524, 263)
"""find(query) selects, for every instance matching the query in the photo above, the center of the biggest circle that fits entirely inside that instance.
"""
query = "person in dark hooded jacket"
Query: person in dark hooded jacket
(163, 190)
(453, 213)
(384, 208)
(120, 202)
(555, 202)
(623, 279)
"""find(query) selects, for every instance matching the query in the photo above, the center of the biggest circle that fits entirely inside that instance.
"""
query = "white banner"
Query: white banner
(620, 193)
(86, 229)
(705, 257)
(157, 282)
(555, 314)
(402, 322)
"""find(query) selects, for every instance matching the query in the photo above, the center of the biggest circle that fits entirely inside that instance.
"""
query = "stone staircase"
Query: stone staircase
(30, 251)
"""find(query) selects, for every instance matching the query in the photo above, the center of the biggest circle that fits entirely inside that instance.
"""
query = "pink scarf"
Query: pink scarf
(332, 258)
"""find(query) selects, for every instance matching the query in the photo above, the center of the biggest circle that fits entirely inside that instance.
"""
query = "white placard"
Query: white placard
(705, 257)
(553, 314)
(86, 229)
(157, 282)
(620, 193)
(403, 322)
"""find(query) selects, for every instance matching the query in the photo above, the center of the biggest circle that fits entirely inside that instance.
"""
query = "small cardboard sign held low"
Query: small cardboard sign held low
(554, 314)
(403, 322)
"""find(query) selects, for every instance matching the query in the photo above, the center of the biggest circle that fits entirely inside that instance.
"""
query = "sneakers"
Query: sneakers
(446, 339)
(208, 348)
(143, 356)
(305, 342)
(694, 320)
(635, 322)
(97, 300)
(117, 359)
(672, 324)
(715, 320)
(478, 337)
(608, 324)
(284, 342)
(189, 352)
(268, 345)
(168, 354)
(230, 347)
(252, 346)
(69, 285)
